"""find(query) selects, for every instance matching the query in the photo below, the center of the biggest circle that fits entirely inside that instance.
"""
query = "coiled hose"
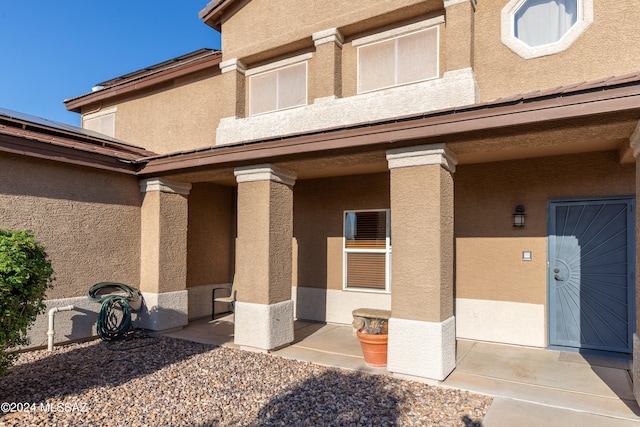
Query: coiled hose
(114, 318)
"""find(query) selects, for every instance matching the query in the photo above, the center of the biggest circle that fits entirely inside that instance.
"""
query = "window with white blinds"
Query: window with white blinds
(279, 89)
(401, 60)
(367, 250)
(103, 123)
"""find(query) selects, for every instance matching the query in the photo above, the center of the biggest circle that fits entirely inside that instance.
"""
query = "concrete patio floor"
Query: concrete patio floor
(531, 386)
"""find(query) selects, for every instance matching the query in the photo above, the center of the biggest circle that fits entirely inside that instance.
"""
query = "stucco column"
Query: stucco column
(163, 256)
(264, 308)
(327, 64)
(233, 75)
(635, 144)
(460, 29)
(422, 338)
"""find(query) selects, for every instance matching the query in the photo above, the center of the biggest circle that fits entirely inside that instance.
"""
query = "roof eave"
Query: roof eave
(48, 151)
(212, 13)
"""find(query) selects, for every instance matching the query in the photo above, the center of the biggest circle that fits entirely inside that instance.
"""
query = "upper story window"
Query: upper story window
(278, 89)
(540, 22)
(405, 59)
(102, 121)
(367, 250)
(533, 28)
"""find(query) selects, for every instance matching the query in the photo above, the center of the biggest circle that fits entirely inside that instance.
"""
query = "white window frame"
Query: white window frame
(276, 66)
(98, 115)
(507, 30)
(386, 251)
(432, 25)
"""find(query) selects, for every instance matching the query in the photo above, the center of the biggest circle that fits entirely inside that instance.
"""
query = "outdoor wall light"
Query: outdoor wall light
(518, 216)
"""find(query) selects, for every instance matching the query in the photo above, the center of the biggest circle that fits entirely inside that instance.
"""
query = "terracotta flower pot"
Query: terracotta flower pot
(374, 348)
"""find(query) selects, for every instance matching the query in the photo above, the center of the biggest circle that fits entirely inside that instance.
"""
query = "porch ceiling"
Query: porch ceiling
(604, 134)
(309, 168)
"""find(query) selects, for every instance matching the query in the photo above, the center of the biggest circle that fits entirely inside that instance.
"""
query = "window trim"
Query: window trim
(272, 68)
(387, 251)
(507, 31)
(395, 36)
(398, 32)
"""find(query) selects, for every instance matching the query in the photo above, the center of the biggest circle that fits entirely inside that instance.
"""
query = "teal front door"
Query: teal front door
(591, 274)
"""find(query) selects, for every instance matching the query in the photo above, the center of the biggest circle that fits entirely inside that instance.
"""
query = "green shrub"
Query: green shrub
(25, 276)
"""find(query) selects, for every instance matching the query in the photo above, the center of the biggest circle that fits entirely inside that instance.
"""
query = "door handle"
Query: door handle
(558, 278)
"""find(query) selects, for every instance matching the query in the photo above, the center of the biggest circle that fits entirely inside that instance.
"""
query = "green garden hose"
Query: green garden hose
(114, 318)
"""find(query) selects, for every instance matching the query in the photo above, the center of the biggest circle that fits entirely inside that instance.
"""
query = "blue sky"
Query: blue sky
(58, 49)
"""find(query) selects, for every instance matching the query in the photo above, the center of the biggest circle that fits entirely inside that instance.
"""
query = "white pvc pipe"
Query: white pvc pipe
(51, 331)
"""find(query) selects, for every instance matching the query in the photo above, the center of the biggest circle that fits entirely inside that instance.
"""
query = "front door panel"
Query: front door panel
(591, 274)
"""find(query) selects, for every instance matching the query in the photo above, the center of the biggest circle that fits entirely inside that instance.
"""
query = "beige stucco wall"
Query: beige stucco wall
(163, 261)
(489, 249)
(325, 73)
(422, 229)
(178, 116)
(610, 46)
(456, 37)
(245, 33)
(319, 205)
(210, 235)
(88, 220)
(263, 251)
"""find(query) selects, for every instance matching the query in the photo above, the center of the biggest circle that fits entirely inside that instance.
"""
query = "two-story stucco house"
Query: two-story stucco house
(470, 166)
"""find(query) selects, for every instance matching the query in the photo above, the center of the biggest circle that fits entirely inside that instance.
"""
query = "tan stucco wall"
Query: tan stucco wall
(456, 43)
(489, 249)
(319, 205)
(263, 251)
(246, 34)
(88, 220)
(234, 91)
(325, 73)
(210, 235)
(164, 242)
(610, 46)
(181, 116)
(349, 70)
(422, 241)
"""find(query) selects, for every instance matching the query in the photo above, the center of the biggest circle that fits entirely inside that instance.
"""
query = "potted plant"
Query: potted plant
(373, 333)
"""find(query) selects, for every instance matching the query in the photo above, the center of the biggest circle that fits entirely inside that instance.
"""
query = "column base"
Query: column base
(159, 312)
(422, 349)
(263, 326)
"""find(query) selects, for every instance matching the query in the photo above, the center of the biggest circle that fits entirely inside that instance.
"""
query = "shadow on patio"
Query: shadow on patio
(599, 385)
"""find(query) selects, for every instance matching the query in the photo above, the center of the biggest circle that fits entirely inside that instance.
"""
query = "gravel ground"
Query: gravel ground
(173, 382)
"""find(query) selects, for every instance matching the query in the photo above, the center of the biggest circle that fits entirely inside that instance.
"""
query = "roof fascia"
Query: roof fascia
(212, 13)
(434, 126)
(76, 104)
(29, 130)
(42, 150)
